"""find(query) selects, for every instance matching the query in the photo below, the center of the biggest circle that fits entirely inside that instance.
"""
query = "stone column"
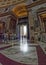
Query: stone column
(17, 30)
(7, 24)
(31, 26)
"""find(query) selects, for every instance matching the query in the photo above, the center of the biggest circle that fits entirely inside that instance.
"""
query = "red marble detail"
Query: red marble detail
(41, 56)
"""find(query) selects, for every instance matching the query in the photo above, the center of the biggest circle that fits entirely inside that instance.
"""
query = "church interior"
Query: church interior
(22, 32)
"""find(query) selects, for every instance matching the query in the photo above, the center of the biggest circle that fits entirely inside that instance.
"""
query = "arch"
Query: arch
(42, 18)
(20, 10)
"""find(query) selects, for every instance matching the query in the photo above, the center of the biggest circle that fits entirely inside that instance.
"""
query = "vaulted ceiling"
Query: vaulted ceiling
(17, 9)
(20, 10)
(8, 5)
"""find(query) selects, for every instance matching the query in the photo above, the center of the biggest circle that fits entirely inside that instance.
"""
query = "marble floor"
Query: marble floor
(22, 53)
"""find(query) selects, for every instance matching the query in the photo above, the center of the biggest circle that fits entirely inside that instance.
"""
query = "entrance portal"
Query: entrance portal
(23, 31)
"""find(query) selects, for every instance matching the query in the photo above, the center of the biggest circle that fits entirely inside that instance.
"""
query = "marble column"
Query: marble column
(7, 24)
(31, 26)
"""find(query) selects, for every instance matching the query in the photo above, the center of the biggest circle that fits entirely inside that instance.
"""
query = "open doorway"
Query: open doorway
(23, 31)
(23, 38)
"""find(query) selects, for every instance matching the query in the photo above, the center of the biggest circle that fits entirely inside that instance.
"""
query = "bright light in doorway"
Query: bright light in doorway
(25, 30)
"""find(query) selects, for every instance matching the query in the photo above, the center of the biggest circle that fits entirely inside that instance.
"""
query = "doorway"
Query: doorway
(23, 32)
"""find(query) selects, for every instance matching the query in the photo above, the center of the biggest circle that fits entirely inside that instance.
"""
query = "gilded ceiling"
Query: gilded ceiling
(14, 3)
(20, 10)
(5, 4)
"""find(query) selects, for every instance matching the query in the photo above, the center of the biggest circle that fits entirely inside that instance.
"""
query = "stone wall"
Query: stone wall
(36, 21)
(5, 19)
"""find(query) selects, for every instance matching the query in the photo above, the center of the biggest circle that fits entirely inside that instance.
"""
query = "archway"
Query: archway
(42, 19)
(20, 11)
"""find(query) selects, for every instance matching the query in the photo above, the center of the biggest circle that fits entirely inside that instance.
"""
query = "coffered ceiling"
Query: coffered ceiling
(20, 10)
(10, 2)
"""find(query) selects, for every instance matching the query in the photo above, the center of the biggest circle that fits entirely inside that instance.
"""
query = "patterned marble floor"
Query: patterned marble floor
(22, 53)
(29, 57)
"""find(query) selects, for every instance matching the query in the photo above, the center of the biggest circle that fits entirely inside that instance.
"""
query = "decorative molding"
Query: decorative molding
(42, 9)
(6, 11)
(4, 14)
(6, 3)
(36, 3)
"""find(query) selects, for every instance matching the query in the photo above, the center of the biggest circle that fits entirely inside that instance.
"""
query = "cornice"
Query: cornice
(36, 3)
(28, 7)
(7, 3)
